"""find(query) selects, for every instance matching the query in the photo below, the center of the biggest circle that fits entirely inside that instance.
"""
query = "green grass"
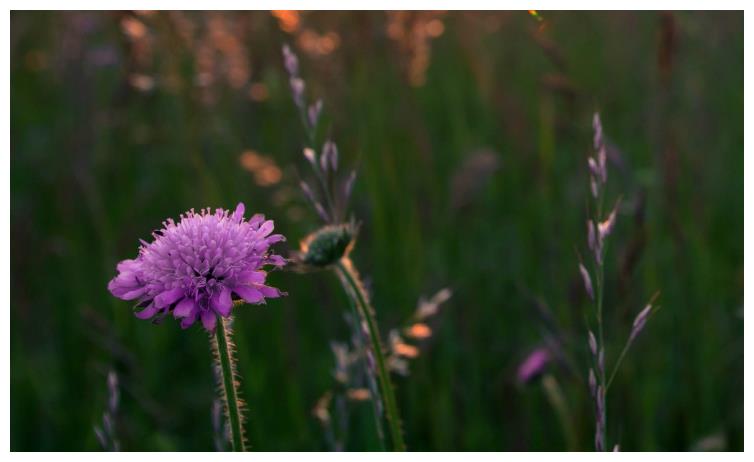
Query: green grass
(96, 165)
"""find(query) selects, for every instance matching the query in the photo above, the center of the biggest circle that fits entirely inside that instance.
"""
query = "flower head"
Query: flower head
(195, 268)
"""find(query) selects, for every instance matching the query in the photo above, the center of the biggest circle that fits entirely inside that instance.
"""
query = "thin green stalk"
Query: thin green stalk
(375, 406)
(617, 365)
(626, 347)
(224, 350)
(353, 286)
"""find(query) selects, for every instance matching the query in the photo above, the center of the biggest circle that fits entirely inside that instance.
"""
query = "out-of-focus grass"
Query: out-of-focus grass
(97, 163)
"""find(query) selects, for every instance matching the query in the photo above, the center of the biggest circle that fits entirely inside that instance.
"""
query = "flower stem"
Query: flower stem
(370, 377)
(350, 279)
(223, 347)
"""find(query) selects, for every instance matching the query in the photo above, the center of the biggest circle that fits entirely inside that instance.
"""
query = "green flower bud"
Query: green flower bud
(328, 245)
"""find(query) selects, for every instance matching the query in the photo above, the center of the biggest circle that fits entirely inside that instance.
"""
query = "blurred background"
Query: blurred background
(470, 133)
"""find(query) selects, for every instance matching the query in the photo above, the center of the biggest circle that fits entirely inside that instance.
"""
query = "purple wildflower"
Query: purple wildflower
(194, 268)
(533, 365)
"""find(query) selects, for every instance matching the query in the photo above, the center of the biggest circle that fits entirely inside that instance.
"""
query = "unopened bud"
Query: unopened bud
(327, 245)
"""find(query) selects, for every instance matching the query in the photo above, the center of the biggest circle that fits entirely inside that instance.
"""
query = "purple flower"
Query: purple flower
(533, 365)
(194, 268)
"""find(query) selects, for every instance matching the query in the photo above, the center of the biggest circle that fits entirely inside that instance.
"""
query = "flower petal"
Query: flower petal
(251, 277)
(184, 308)
(276, 260)
(238, 214)
(270, 292)
(123, 291)
(266, 228)
(127, 266)
(168, 297)
(189, 320)
(255, 220)
(147, 312)
(209, 320)
(249, 294)
(221, 302)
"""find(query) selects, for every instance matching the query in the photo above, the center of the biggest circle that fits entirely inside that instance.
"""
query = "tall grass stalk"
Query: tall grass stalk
(353, 286)
(599, 228)
(360, 344)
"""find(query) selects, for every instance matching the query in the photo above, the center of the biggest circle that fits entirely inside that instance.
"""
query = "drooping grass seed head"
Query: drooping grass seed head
(328, 245)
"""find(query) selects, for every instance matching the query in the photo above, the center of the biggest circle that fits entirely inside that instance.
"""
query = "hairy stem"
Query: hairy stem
(224, 356)
(353, 286)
